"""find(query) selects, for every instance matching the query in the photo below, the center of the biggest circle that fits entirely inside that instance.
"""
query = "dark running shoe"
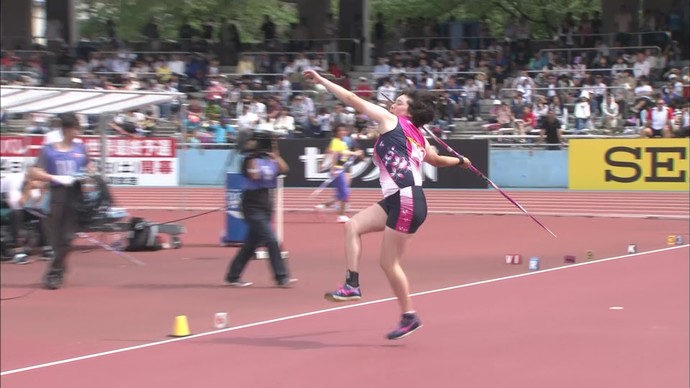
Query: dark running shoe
(345, 293)
(237, 283)
(53, 279)
(47, 254)
(287, 282)
(408, 324)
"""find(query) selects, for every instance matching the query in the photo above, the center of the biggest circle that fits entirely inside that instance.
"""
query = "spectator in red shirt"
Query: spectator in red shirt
(363, 89)
(528, 122)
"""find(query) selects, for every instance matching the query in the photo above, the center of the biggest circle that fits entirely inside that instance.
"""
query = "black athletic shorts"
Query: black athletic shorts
(406, 209)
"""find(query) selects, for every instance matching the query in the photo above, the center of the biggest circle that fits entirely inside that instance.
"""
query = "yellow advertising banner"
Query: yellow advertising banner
(628, 164)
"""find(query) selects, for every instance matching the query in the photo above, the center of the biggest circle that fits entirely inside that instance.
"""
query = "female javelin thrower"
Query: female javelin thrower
(399, 152)
(58, 163)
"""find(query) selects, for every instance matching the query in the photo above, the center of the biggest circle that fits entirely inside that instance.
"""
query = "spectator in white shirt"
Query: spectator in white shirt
(582, 112)
(659, 121)
(386, 92)
(610, 112)
(302, 63)
(599, 91)
(176, 65)
(248, 120)
(643, 95)
(381, 71)
(259, 108)
(642, 66)
(284, 124)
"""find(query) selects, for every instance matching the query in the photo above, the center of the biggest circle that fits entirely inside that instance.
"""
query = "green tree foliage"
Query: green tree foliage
(130, 16)
(545, 15)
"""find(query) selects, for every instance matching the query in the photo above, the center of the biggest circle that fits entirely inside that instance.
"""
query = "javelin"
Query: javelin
(481, 175)
(332, 178)
(110, 248)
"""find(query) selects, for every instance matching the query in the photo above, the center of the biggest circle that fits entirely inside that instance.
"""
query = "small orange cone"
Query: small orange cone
(181, 328)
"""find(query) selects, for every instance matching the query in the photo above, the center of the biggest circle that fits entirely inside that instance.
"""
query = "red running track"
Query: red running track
(546, 329)
(668, 205)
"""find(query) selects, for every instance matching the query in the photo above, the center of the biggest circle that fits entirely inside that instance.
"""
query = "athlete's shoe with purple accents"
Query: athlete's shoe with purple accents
(345, 293)
(409, 323)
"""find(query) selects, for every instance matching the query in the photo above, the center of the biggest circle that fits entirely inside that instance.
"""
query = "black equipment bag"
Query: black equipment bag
(142, 236)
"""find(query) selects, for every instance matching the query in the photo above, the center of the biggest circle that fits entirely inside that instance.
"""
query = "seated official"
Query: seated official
(24, 198)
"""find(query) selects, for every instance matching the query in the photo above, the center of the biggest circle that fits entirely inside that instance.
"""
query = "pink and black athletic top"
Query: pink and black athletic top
(399, 154)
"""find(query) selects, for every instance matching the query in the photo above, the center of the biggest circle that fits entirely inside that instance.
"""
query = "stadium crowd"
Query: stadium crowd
(506, 85)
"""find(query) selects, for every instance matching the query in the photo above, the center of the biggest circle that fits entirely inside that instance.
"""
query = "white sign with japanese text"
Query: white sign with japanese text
(130, 162)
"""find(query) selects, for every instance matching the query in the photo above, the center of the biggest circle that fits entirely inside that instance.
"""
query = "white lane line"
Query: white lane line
(485, 211)
(318, 312)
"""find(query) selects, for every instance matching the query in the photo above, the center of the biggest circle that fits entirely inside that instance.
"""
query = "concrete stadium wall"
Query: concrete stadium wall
(529, 169)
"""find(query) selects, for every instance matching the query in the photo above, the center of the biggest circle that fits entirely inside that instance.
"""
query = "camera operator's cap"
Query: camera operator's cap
(262, 132)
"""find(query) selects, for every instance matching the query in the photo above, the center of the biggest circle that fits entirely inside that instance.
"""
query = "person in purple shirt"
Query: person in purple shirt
(59, 163)
(399, 153)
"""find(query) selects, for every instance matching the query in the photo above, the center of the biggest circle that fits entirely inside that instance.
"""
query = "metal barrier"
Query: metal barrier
(608, 38)
(537, 137)
(139, 52)
(586, 70)
(421, 72)
(4, 73)
(459, 51)
(570, 50)
(572, 88)
(346, 55)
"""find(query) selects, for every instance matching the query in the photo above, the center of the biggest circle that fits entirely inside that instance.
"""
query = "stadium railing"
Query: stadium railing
(342, 56)
(571, 50)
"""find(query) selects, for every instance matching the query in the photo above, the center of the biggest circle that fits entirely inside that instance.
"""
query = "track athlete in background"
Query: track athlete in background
(339, 152)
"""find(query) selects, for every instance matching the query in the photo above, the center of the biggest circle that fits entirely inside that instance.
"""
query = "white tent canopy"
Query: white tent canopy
(22, 99)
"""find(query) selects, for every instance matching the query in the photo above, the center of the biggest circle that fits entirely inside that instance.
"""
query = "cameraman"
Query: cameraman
(261, 167)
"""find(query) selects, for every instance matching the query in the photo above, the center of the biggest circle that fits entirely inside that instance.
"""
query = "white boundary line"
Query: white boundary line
(318, 312)
(450, 212)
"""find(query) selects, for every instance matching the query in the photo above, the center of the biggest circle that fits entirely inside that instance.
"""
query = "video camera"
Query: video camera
(264, 140)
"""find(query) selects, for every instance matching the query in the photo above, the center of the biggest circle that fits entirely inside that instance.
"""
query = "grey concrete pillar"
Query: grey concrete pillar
(15, 24)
